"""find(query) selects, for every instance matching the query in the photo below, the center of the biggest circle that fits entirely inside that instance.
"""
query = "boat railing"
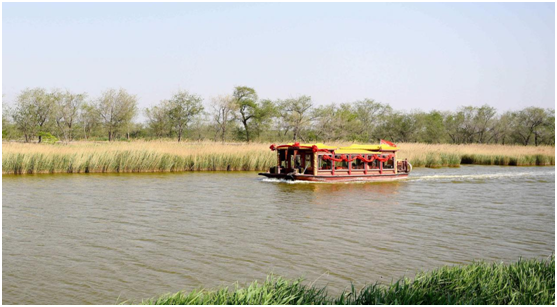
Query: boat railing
(403, 166)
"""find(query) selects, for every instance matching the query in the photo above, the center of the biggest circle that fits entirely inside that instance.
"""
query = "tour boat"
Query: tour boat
(319, 162)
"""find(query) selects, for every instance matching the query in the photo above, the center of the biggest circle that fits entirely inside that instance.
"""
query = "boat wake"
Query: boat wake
(483, 176)
(449, 177)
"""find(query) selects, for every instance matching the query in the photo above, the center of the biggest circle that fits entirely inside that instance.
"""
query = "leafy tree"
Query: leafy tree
(89, 119)
(66, 108)
(116, 109)
(433, 130)
(296, 112)
(266, 109)
(503, 128)
(399, 127)
(527, 122)
(370, 115)
(32, 110)
(9, 130)
(158, 119)
(325, 122)
(245, 99)
(182, 108)
(484, 121)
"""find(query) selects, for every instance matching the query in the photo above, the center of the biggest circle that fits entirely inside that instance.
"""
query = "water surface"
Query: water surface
(105, 238)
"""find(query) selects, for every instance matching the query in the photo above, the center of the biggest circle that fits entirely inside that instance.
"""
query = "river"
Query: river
(106, 238)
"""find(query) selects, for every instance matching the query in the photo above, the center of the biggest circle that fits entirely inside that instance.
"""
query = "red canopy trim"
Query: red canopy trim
(380, 158)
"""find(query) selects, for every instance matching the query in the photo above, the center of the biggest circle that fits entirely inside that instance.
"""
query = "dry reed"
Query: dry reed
(166, 156)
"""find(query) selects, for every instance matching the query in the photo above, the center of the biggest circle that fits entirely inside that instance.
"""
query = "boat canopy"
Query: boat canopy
(344, 151)
(375, 147)
(310, 145)
(352, 149)
(313, 146)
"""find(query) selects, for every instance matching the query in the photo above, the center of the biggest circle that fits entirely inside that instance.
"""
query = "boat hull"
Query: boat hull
(337, 178)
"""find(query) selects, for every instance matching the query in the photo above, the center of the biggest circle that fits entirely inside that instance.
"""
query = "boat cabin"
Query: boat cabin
(319, 161)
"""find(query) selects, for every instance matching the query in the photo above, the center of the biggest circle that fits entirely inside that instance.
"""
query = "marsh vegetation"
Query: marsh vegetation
(171, 156)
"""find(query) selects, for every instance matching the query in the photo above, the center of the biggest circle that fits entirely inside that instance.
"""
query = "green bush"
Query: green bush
(48, 138)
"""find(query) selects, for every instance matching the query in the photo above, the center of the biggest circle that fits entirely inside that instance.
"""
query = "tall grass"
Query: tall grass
(166, 156)
(526, 282)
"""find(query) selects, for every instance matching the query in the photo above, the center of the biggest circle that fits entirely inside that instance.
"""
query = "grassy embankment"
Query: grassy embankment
(166, 156)
(526, 282)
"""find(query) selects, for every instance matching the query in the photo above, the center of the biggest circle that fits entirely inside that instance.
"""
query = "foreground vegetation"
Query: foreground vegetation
(526, 282)
(166, 156)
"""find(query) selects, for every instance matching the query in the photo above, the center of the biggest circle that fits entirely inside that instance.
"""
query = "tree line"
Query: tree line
(63, 115)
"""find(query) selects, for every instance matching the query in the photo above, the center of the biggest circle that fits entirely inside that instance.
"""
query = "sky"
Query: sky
(412, 56)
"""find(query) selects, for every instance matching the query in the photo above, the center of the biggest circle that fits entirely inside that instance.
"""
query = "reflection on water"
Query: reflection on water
(96, 238)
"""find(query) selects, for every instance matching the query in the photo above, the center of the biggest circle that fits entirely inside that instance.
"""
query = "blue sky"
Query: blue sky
(410, 55)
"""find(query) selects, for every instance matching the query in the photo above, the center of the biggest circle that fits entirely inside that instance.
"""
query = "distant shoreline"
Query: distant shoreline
(168, 156)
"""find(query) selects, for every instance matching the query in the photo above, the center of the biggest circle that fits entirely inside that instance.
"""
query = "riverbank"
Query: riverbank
(526, 282)
(166, 156)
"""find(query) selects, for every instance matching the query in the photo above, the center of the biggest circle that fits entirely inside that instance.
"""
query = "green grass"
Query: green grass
(526, 282)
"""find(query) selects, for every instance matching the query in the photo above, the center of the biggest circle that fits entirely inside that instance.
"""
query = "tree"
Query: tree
(325, 122)
(400, 127)
(502, 128)
(88, 119)
(334, 122)
(264, 112)
(158, 119)
(8, 127)
(66, 110)
(116, 109)
(182, 108)
(433, 131)
(32, 110)
(529, 122)
(223, 114)
(546, 133)
(245, 99)
(297, 114)
(370, 115)
(484, 122)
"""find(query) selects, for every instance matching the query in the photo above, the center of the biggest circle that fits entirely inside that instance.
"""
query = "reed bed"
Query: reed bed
(526, 282)
(168, 156)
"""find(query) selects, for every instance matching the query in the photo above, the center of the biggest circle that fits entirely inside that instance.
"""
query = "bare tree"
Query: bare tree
(116, 109)
(223, 113)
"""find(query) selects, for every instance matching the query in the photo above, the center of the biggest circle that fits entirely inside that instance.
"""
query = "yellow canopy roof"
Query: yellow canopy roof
(382, 147)
(352, 149)
(345, 150)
